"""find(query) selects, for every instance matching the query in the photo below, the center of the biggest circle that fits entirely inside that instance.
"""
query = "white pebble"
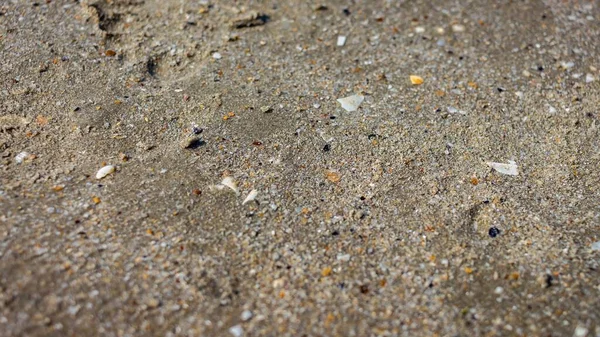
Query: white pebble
(596, 246)
(341, 41)
(246, 315)
(499, 290)
(216, 56)
(106, 170)
(589, 78)
(458, 28)
(236, 330)
(419, 30)
(580, 331)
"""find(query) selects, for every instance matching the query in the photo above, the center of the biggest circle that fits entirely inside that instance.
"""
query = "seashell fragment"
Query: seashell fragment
(106, 170)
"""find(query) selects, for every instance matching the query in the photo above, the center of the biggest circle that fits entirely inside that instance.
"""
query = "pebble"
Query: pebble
(341, 41)
(217, 56)
(152, 303)
(416, 80)
(493, 232)
(236, 330)
(580, 331)
(458, 28)
(106, 170)
(596, 246)
(246, 315)
(589, 78)
(419, 30)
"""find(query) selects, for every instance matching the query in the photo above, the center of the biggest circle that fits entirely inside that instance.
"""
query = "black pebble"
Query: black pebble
(346, 11)
(493, 232)
(335, 233)
(327, 147)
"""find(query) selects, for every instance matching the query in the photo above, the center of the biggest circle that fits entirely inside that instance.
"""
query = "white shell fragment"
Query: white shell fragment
(351, 103)
(589, 78)
(19, 158)
(341, 41)
(106, 170)
(510, 169)
(229, 182)
(251, 196)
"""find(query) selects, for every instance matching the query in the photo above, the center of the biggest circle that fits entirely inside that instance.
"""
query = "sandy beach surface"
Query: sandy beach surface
(184, 168)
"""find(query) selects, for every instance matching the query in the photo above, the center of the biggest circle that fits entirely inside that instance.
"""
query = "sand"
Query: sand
(384, 221)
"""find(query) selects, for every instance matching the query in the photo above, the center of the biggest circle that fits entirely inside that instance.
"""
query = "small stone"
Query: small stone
(341, 41)
(589, 78)
(580, 331)
(152, 303)
(217, 56)
(236, 331)
(416, 80)
(419, 30)
(458, 28)
(246, 315)
(103, 172)
(526, 73)
(266, 109)
(499, 290)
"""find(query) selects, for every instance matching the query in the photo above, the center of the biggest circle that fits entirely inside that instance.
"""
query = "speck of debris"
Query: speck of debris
(326, 148)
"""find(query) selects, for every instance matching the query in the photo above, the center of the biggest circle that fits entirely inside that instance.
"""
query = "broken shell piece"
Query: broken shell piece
(351, 103)
(19, 158)
(510, 169)
(341, 41)
(416, 80)
(589, 78)
(229, 182)
(251, 196)
(106, 170)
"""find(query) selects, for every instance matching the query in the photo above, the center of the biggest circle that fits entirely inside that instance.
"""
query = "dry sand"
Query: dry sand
(384, 221)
